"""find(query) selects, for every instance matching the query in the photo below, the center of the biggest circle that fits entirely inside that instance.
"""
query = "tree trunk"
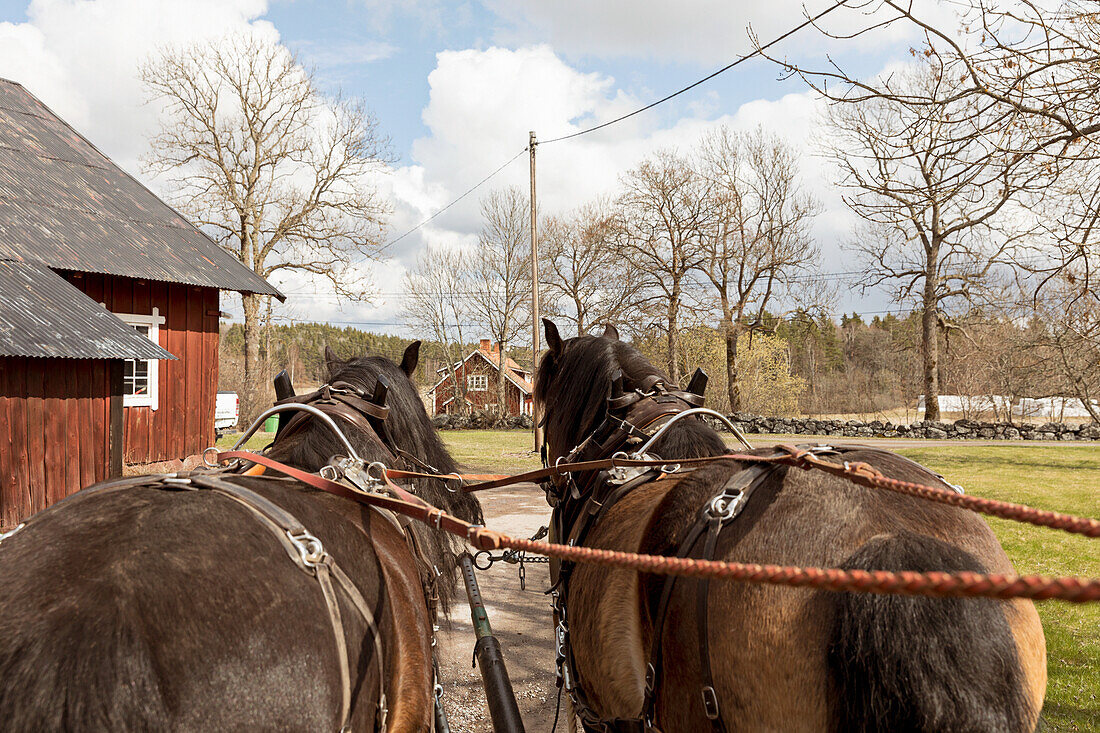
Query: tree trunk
(502, 400)
(930, 348)
(250, 406)
(673, 351)
(733, 376)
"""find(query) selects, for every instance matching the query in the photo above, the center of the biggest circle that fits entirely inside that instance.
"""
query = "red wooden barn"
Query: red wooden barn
(479, 373)
(109, 311)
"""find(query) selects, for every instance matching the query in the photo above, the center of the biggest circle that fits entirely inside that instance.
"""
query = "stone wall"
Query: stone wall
(958, 430)
(481, 421)
(922, 429)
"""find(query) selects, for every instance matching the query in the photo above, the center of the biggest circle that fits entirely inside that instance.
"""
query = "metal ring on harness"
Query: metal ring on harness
(205, 461)
(381, 471)
(724, 507)
(310, 549)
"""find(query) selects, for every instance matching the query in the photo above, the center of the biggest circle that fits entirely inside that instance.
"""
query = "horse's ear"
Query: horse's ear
(553, 338)
(410, 358)
(610, 332)
(333, 362)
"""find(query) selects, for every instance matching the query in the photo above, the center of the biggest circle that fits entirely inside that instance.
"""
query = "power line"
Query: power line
(468, 191)
(724, 69)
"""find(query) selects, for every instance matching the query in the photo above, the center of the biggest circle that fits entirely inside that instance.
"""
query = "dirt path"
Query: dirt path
(521, 620)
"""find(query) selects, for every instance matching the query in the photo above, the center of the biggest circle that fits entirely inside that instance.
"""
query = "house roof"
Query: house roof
(43, 315)
(66, 205)
(512, 370)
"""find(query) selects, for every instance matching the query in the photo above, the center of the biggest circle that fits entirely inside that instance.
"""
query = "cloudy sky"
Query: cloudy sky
(457, 86)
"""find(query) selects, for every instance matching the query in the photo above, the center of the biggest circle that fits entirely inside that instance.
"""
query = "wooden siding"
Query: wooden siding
(183, 423)
(482, 400)
(54, 440)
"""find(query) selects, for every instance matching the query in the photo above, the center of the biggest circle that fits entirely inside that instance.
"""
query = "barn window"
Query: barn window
(477, 383)
(140, 377)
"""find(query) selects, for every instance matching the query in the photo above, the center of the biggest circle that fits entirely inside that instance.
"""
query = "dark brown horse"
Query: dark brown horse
(783, 658)
(148, 608)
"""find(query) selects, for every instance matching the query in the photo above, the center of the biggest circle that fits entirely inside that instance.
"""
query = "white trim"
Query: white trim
(154, 321)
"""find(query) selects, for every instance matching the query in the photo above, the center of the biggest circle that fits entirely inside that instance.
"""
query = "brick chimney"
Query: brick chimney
(485, 346)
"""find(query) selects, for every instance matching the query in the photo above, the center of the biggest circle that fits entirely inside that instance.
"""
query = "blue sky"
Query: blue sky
(456, 87)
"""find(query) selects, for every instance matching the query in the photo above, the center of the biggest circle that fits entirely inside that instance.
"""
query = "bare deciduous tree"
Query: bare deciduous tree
(502, 273)
(934, 187)
(1030, 67)
(279, 174)
(586, 279)
(757, 233)
(1071, 339)
(662, 209)
(437, 307)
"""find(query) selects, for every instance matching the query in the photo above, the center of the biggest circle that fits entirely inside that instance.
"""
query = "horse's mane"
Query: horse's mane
(411, 430)
(574, 381)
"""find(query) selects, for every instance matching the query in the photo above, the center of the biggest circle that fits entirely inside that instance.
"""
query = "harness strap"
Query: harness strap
(722, 509)
(710, 697)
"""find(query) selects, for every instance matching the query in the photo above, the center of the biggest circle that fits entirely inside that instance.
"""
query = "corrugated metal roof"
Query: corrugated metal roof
(41, 314)
(66, 205)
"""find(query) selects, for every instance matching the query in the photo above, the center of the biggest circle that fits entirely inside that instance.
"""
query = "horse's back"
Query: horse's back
(145, 608)
(770, 646)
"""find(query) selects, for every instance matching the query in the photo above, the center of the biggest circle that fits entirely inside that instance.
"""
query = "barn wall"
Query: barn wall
(183, 423)
(54, 417)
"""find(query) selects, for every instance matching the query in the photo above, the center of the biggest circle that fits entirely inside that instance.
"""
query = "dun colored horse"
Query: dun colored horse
(781, 658)
(160, 607)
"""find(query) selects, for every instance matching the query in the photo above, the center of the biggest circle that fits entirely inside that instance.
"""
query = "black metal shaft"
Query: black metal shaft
(503, 709)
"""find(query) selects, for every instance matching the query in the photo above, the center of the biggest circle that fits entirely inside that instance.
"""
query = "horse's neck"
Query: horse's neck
(690, 439)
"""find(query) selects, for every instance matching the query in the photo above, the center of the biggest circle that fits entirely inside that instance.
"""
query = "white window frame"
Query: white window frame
(474, 379)
(154, 322)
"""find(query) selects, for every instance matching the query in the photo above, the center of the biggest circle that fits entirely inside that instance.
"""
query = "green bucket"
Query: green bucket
(271, 424)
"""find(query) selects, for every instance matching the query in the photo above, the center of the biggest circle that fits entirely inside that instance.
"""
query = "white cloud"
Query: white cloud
(334, 55)
(82, 58)
(701, 31)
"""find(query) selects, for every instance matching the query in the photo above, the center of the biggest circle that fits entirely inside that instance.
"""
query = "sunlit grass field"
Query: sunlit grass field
(1062, 478)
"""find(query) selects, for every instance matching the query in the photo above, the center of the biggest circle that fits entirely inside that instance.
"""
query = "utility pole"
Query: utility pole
(535, 417)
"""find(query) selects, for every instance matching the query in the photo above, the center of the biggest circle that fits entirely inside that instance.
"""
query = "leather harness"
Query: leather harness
(581, 499)
(347, 402)
(302, 547)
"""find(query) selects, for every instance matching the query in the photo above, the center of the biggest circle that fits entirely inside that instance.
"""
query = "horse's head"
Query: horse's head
(407, 430)
(573, 382)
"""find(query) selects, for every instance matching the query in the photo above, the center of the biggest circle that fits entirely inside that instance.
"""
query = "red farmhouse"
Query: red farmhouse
(478, 372)
(109, 310)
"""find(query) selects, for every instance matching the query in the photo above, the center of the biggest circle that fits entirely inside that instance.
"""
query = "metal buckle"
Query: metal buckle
(310, 549)
(725, 507)
(710, 703)
(650, 677)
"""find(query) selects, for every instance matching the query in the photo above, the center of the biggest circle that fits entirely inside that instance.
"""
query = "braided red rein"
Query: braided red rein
(960, 584)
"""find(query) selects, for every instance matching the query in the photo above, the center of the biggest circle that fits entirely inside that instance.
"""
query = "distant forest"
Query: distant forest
(796, 365)
(299, 348)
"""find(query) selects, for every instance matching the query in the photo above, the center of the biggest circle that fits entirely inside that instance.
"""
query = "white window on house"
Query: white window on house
(140, 377)
(477, 383)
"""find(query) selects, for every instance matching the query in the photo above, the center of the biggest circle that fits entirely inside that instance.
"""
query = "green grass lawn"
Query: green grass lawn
(1060, 479)
(1049, 477)
(257, 442)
